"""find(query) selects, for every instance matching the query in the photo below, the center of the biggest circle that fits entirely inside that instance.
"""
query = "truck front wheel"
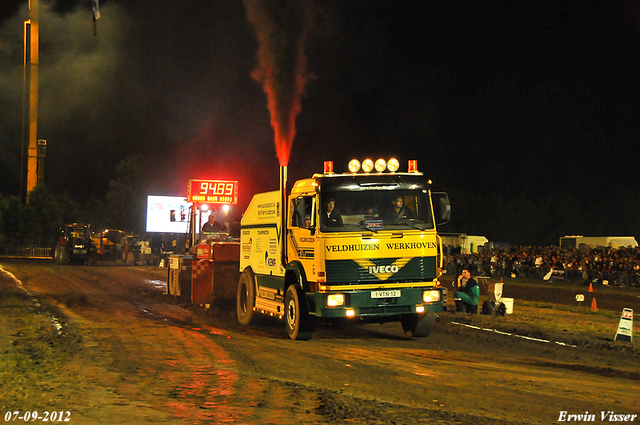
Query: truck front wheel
(296, 315)
(246, 298)
(418, 325)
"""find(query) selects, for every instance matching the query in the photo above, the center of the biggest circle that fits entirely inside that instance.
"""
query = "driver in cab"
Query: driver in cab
(331, 217)
(398, 211)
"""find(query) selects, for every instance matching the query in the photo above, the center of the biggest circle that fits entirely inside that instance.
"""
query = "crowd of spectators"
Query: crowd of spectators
(600, 265)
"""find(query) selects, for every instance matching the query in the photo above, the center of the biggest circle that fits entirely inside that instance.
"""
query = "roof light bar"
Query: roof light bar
(368, 165)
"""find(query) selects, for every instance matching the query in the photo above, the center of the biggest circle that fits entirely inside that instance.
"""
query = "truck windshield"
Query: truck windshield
(374, 209)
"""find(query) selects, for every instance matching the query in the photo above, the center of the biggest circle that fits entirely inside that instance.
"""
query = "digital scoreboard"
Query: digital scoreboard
(212, 191)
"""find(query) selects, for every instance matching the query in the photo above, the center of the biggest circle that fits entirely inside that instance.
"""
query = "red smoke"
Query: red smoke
(281, 27)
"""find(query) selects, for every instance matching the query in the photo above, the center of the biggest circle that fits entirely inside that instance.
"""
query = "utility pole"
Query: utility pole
(31, 62)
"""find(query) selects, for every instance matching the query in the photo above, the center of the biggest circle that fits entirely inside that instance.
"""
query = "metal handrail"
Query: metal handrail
(26, 252)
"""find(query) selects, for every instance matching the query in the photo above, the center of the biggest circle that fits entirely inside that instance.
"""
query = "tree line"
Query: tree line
(37, 222)
(522, 220)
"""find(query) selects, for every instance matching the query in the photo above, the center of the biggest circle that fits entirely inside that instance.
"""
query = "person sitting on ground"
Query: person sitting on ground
(468, 292)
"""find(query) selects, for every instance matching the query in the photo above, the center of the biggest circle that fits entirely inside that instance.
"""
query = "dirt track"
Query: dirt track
(132, 355)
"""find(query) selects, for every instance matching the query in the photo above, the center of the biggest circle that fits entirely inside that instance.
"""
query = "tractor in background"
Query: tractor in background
(75, 245)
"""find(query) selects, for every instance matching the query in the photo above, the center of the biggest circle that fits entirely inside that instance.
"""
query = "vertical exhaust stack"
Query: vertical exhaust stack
(284, 215)
(281, 28)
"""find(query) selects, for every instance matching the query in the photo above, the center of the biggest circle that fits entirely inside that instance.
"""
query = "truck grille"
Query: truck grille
(350, 271)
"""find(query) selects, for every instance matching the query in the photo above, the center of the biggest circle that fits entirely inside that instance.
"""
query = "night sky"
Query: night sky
(504, 97)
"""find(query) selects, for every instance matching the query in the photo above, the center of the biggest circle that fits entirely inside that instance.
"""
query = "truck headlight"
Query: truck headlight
(335, 300)
(431, 296)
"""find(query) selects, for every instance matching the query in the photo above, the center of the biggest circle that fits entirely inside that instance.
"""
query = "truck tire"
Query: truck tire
(418, 325)
(246, 298)
(296, 315)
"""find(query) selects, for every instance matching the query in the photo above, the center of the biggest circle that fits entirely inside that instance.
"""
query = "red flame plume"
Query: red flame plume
(281, 27)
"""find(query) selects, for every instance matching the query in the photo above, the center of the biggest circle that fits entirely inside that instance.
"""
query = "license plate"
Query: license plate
(79, 251)
(395, 293)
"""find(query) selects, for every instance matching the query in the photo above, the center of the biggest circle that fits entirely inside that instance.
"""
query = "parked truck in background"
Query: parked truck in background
(581, 242)
(463, 243)
(375, 265)
(110, 244)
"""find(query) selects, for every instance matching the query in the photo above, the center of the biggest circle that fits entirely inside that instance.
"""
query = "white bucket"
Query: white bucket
(508, 303)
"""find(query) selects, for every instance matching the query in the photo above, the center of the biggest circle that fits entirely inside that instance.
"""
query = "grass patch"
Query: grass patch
(34, 349)
(569, 323)
(577, 326)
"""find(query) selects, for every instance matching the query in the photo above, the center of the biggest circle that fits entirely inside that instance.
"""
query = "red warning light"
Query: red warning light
(328, 167)
(413, 165)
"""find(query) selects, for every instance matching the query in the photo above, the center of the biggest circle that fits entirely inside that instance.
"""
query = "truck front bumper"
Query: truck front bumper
(372, 303)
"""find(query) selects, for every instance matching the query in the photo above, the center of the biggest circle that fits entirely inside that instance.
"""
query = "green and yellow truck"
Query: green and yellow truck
(361, 245)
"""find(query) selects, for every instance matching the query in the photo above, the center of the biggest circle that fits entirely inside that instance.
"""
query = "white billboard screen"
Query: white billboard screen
(167, 214)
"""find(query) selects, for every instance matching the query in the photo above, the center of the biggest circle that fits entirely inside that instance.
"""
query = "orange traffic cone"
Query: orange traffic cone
(590, 287)
(594, 306)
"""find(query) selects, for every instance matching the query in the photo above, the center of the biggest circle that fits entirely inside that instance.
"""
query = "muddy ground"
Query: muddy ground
(107, 346)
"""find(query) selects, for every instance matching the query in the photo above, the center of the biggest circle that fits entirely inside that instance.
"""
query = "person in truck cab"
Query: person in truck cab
(330, 216)
(398, 211)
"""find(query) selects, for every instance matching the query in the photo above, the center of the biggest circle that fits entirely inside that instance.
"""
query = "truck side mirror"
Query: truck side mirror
(442, 207)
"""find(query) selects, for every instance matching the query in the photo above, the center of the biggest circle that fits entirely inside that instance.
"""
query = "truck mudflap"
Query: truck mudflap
(377, 303)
